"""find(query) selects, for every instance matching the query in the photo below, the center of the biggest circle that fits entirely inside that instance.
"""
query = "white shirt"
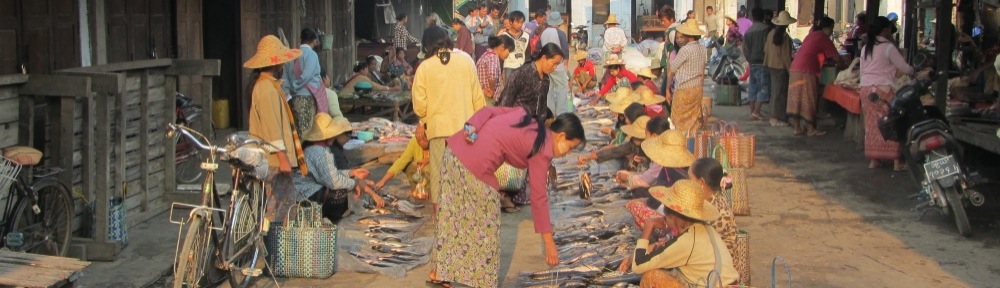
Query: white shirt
(615, 36)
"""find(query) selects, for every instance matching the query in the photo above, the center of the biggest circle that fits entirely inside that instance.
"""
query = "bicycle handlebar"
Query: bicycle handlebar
(173, 129)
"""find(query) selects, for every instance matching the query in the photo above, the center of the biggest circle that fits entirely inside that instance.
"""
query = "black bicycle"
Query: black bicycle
(38, 213)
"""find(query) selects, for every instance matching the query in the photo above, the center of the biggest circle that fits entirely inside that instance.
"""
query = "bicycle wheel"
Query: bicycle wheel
(188, 169)
(48, 231)
(195, 250)
(243, 235)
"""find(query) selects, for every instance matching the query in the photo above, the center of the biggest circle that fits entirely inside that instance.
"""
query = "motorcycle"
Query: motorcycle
(932, 154)
(187, 158)
(725, 66)
(581, 37)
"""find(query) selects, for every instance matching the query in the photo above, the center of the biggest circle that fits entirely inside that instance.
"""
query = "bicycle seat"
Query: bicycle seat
(23, 155)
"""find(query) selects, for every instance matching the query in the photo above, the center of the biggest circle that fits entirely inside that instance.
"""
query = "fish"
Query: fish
(565, 272)
(393, 244)
(395, 251)
(587, 214)
(613, 278)
(575, 203)
(581, 257)
(378, 211)
(380, 229)
(388, 219)
(573, 283)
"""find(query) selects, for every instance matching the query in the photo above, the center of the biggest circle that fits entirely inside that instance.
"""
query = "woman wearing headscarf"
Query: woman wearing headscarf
(880, 61)
(446, 92)
(467, 249)
(778, 58)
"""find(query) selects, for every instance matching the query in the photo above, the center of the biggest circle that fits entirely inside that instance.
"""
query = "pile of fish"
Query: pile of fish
(387, 236)
(591, 248)
(385, 130)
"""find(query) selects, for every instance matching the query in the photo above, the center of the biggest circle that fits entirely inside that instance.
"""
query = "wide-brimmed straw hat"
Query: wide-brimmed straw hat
(690, 28)
(731, 20)
(783, 19)
(326, 127)
(613, 60)
(648, 97)
(687, 198)
(271, 52)
(621, 102)
(669, 150)
(612, 19)
(647, 72)
(638, 128)
(579, 55)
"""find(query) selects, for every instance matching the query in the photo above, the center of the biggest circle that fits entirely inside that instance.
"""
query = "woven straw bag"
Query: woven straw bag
(304, 246)
(739, 194)
(511, 179)
(741, 146)
(741, 256)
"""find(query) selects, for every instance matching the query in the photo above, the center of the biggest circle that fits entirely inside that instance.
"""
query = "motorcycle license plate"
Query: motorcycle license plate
(941, 168)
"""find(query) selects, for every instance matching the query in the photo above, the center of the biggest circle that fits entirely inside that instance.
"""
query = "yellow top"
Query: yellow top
(412, 154)
(445, 96)
(692, 254)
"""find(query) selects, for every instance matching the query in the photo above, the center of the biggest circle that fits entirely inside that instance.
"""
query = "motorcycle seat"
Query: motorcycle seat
(922, 128)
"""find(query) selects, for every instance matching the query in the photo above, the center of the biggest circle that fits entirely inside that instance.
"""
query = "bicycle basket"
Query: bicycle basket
(8, 173)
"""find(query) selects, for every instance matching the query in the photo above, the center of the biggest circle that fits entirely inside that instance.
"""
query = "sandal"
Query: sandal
(776, 123)
(799, 133)
(445, 284)
(509, 210)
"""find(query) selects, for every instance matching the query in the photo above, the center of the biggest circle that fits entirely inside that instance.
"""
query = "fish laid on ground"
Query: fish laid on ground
(575, 203)
(382, 229)
(574, 283)
(613, 278)
(395, 251)
(581, 257)
(393, 244)
(587, 214)
(388, 219)
(566, 272)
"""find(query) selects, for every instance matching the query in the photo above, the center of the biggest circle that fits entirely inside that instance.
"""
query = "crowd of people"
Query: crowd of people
(500, 92)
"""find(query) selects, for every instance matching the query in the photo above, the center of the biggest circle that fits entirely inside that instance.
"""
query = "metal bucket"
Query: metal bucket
(326, 42)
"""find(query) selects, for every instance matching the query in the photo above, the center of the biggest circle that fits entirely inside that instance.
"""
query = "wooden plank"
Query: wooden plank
(57, 85)
(8, 92)
(13, 79)
(43, 261)
(144, 138)
(123, 66)
(169, 157)
(195, 67)
(102, 155)
(26, 276)
(9, 106)
(26, 120)
(205, 126)
(101, 82)
(60, 115)
(8, 134)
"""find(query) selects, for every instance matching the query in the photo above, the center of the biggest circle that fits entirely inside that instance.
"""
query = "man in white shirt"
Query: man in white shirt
(711, 25)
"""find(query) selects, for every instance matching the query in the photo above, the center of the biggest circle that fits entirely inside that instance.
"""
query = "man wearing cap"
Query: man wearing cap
(753, 49)
(270, 116)
(302, 83)
(615, 37)
(687, 69)
(558, 99)
(583, 75)
(521, 38)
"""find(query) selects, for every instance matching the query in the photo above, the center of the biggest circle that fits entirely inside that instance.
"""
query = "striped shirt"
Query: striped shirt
(689, 65)
(401, 38)
(488, 68)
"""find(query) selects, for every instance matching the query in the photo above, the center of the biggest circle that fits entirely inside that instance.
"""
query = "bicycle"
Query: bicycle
(186, 155)
(38, 215)
(242, 222)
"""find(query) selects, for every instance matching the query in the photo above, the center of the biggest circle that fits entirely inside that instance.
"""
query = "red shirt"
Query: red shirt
(588, 66)
(497, 143)
(613, 80)
(807, 59)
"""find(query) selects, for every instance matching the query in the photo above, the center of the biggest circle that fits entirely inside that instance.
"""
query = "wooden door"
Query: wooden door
(49, 35)
(10, 23)
(138, 30)
(118, 31)
(161, 40)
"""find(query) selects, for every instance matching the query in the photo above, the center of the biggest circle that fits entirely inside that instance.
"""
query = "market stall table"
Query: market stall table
(397, 104)
(850, 99)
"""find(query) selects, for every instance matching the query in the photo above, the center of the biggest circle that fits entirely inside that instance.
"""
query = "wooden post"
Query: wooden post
(61, 133)
(103, 170)
(169, 158)
(910, 19)
(144, 139)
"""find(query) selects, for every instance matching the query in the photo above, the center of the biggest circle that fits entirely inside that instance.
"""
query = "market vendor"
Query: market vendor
(618, 77)
(584, 73)
(670, 157)
(361, 80)
(414, 159)
(328, 182)
(629, 152)
(625, 111)
(692, 257)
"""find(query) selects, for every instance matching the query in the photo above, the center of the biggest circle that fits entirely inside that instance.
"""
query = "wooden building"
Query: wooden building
(117, 64)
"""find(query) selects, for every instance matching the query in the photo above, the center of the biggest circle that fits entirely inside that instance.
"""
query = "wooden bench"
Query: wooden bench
(19, 269)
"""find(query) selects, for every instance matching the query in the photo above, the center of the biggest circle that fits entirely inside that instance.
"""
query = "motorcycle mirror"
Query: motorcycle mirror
(873, 97)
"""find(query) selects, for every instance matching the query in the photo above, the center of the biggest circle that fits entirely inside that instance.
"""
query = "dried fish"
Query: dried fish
(613, 278)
